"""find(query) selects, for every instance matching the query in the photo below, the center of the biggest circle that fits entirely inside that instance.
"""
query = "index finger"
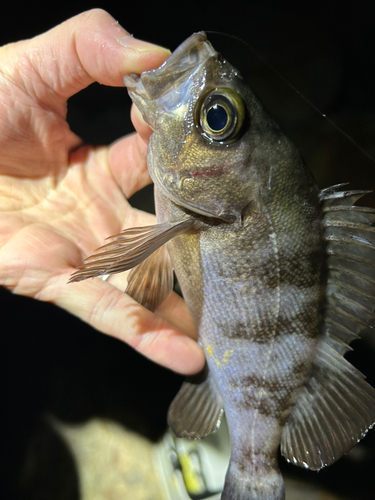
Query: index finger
(89, 47)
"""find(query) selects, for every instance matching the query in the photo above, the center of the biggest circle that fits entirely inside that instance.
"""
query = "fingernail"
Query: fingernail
(139, 45)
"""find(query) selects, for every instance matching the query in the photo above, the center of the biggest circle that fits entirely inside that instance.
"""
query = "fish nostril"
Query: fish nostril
(169, 179)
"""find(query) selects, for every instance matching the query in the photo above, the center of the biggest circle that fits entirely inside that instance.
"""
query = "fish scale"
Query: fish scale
(278, 275)
(258, 373)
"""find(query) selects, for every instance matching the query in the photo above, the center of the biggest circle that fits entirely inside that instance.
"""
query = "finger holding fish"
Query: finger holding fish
(127, 157)
(105, 303)
(164, 337)
(142, 128)
(127, 163)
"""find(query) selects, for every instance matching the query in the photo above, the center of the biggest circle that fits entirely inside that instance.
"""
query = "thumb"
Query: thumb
(89, 47)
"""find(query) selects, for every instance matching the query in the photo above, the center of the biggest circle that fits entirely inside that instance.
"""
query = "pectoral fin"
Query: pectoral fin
(151, 282)
(128, 249)
(197, 409)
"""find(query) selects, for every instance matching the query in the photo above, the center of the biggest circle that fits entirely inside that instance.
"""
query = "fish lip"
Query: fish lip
(131, 81)
(184, 61)
(135, 87)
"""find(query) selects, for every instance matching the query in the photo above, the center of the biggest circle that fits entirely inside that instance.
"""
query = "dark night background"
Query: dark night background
(53, 363)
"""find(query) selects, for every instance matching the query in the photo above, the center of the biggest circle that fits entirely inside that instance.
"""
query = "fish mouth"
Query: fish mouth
(186, 60)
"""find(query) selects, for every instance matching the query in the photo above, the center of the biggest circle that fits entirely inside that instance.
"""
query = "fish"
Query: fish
(278, 275)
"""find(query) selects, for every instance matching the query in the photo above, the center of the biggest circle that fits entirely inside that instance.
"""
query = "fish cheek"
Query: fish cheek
(211, 180)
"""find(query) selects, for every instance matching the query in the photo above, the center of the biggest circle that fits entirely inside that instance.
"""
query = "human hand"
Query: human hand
(60, 198)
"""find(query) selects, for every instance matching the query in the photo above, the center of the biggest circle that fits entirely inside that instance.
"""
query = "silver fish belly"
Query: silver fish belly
(278, 276)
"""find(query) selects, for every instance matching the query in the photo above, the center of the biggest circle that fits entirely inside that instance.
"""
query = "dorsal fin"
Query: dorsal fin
(337, 407)
(349, 232)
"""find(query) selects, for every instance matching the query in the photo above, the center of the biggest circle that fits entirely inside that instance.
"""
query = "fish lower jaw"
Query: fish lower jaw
(193, 208)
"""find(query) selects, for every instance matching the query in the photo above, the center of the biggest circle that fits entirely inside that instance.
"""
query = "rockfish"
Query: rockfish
(278, 275)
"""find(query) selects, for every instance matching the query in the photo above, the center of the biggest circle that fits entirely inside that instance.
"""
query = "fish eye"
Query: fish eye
(220, 114)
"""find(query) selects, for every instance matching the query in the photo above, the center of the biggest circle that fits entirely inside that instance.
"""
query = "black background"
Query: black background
(52, 362)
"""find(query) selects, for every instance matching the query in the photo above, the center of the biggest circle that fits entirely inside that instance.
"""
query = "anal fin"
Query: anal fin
(334, 411)
(197, 409)
(337, 406)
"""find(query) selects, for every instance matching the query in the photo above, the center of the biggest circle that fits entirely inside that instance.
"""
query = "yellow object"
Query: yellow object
(193, 481)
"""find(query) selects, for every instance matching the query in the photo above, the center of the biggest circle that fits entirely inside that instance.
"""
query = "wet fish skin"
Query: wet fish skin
(279, 276)
(252, 275)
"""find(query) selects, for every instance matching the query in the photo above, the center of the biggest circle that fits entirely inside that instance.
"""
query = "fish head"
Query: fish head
(208, 127)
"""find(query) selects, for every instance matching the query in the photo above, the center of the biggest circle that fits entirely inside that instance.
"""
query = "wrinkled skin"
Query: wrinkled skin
(60, 198)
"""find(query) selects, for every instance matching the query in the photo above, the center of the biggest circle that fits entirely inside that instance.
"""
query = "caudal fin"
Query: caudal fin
(240, 485)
